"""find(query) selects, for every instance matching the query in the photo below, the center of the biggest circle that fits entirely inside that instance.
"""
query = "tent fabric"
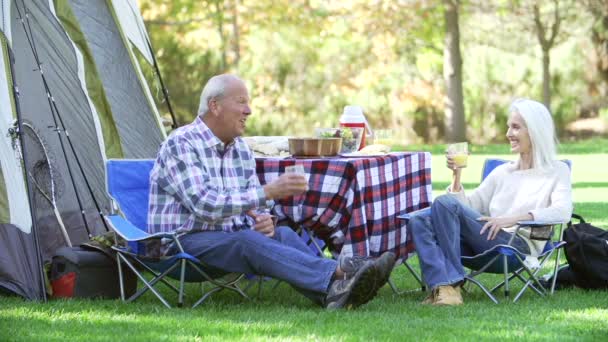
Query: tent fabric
(125, 91)
(89, 76)
(5, 19)
(59, 62)
(19, 270)
(93, 87)
(133, 26)
(11, 173)
(144, 49)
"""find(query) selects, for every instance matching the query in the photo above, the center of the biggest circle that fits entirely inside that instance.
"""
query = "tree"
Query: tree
(455, 127)
(599, 38)
(546, 33)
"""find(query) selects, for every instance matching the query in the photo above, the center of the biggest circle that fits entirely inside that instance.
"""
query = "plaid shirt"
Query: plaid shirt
(198, 183)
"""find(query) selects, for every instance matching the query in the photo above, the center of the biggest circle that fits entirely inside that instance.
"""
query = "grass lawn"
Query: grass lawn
(282, 314)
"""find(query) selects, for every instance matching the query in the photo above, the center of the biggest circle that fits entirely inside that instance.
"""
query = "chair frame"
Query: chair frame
(164, 266)
(503, 252)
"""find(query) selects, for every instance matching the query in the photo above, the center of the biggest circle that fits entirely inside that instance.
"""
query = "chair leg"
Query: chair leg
(120, 278)
(394, 287)
(555, 271)
(148, 285)
(483, 288)
(314, 242)
(182, 278)
(415, 274)
(505, 265)
(532, 281)
(156, 274)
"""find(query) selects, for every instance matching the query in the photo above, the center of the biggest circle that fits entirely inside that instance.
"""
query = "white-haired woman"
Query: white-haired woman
(535, 187)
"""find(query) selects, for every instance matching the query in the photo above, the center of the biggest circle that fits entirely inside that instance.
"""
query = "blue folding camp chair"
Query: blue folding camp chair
(505, 259)
(128, 184)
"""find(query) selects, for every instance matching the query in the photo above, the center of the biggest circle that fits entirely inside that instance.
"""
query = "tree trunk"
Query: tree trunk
(546, 79)
(452, 72)
(546, 39)
(236, 46)
(219, 18)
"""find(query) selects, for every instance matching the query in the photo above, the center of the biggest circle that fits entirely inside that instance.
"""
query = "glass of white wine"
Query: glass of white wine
(459, 152)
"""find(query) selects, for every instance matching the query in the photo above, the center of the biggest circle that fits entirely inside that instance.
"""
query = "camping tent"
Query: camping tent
(72, 94)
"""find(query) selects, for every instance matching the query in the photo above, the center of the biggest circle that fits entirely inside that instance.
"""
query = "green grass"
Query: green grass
(282, 314)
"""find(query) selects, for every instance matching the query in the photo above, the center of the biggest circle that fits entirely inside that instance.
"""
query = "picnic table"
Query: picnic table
(353, 203)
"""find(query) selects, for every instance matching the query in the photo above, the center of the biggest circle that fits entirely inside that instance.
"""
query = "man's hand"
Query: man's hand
(288, 184)
(264, 223)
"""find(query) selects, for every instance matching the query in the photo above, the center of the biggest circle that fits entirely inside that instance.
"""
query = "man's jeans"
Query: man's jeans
(450, 231)
(285, 256)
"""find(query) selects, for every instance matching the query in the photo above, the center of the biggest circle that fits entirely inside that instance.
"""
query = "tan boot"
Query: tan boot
(447, 295)
(430, 299)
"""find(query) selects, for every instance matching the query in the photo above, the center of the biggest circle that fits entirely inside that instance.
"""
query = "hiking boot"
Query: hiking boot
(385, 263)
(356, 290)
(430, 299)
(350, 265)
(447, 295)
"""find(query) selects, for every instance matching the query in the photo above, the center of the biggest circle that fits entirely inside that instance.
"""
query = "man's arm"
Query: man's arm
(184, 176)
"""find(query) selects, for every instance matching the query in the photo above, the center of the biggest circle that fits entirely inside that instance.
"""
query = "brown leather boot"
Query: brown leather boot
(447, 295)
(430, 298)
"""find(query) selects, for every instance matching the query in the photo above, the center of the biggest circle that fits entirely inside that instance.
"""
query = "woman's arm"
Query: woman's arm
(560, 208)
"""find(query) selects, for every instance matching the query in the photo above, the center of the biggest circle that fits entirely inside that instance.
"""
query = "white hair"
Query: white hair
(215, 88)
(541, 130)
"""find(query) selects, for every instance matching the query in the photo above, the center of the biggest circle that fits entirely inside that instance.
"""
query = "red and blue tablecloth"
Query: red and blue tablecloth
(357, 200)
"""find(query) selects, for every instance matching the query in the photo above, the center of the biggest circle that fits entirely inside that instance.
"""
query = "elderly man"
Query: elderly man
(204, 186)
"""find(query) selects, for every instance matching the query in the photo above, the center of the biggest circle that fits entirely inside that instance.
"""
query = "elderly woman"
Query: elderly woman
(535, 187)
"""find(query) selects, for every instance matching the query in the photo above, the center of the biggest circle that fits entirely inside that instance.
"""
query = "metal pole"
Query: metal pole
(162, 85)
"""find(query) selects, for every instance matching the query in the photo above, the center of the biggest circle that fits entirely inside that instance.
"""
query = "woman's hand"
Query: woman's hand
(449, 162)
(455, 186)
(495, 224)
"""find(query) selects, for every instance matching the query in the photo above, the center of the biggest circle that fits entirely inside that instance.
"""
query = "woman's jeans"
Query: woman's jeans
(285, 256)
(450, 231)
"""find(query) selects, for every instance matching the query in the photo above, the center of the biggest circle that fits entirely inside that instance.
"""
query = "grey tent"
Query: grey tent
(81, 99)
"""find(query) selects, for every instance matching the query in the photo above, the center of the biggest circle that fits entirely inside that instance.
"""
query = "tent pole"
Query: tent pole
(30, 195)
(56, 116)
(162, 85)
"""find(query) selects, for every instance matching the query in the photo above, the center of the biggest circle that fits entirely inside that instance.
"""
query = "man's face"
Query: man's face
(232, 110)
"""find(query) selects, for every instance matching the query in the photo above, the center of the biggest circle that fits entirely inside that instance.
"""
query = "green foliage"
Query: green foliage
(305, 60)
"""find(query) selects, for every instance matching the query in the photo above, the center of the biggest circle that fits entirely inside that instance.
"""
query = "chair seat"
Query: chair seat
(476, 262)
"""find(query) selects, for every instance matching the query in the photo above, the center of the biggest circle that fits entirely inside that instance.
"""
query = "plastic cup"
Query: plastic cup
(459, 152)
(266, 212)
(298, 168)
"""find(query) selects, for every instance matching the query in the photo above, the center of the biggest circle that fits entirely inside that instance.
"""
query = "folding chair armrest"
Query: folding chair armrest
(129, 232)
(536, 224)
(420, 212)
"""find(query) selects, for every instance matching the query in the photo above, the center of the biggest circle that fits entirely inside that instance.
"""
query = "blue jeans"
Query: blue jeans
(450, 231)
(285, 256)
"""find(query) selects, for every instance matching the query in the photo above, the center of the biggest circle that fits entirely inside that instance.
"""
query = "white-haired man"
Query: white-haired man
(204, 186)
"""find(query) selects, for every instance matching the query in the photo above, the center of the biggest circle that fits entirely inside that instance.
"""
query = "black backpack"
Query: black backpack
(587, 253)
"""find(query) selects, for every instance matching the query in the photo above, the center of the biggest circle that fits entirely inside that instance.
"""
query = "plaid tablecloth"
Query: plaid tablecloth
(359, 197)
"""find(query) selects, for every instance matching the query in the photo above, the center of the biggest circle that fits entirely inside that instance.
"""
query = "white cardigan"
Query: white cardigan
(507, 191)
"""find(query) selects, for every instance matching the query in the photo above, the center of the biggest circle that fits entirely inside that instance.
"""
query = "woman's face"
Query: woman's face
(517, 133)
